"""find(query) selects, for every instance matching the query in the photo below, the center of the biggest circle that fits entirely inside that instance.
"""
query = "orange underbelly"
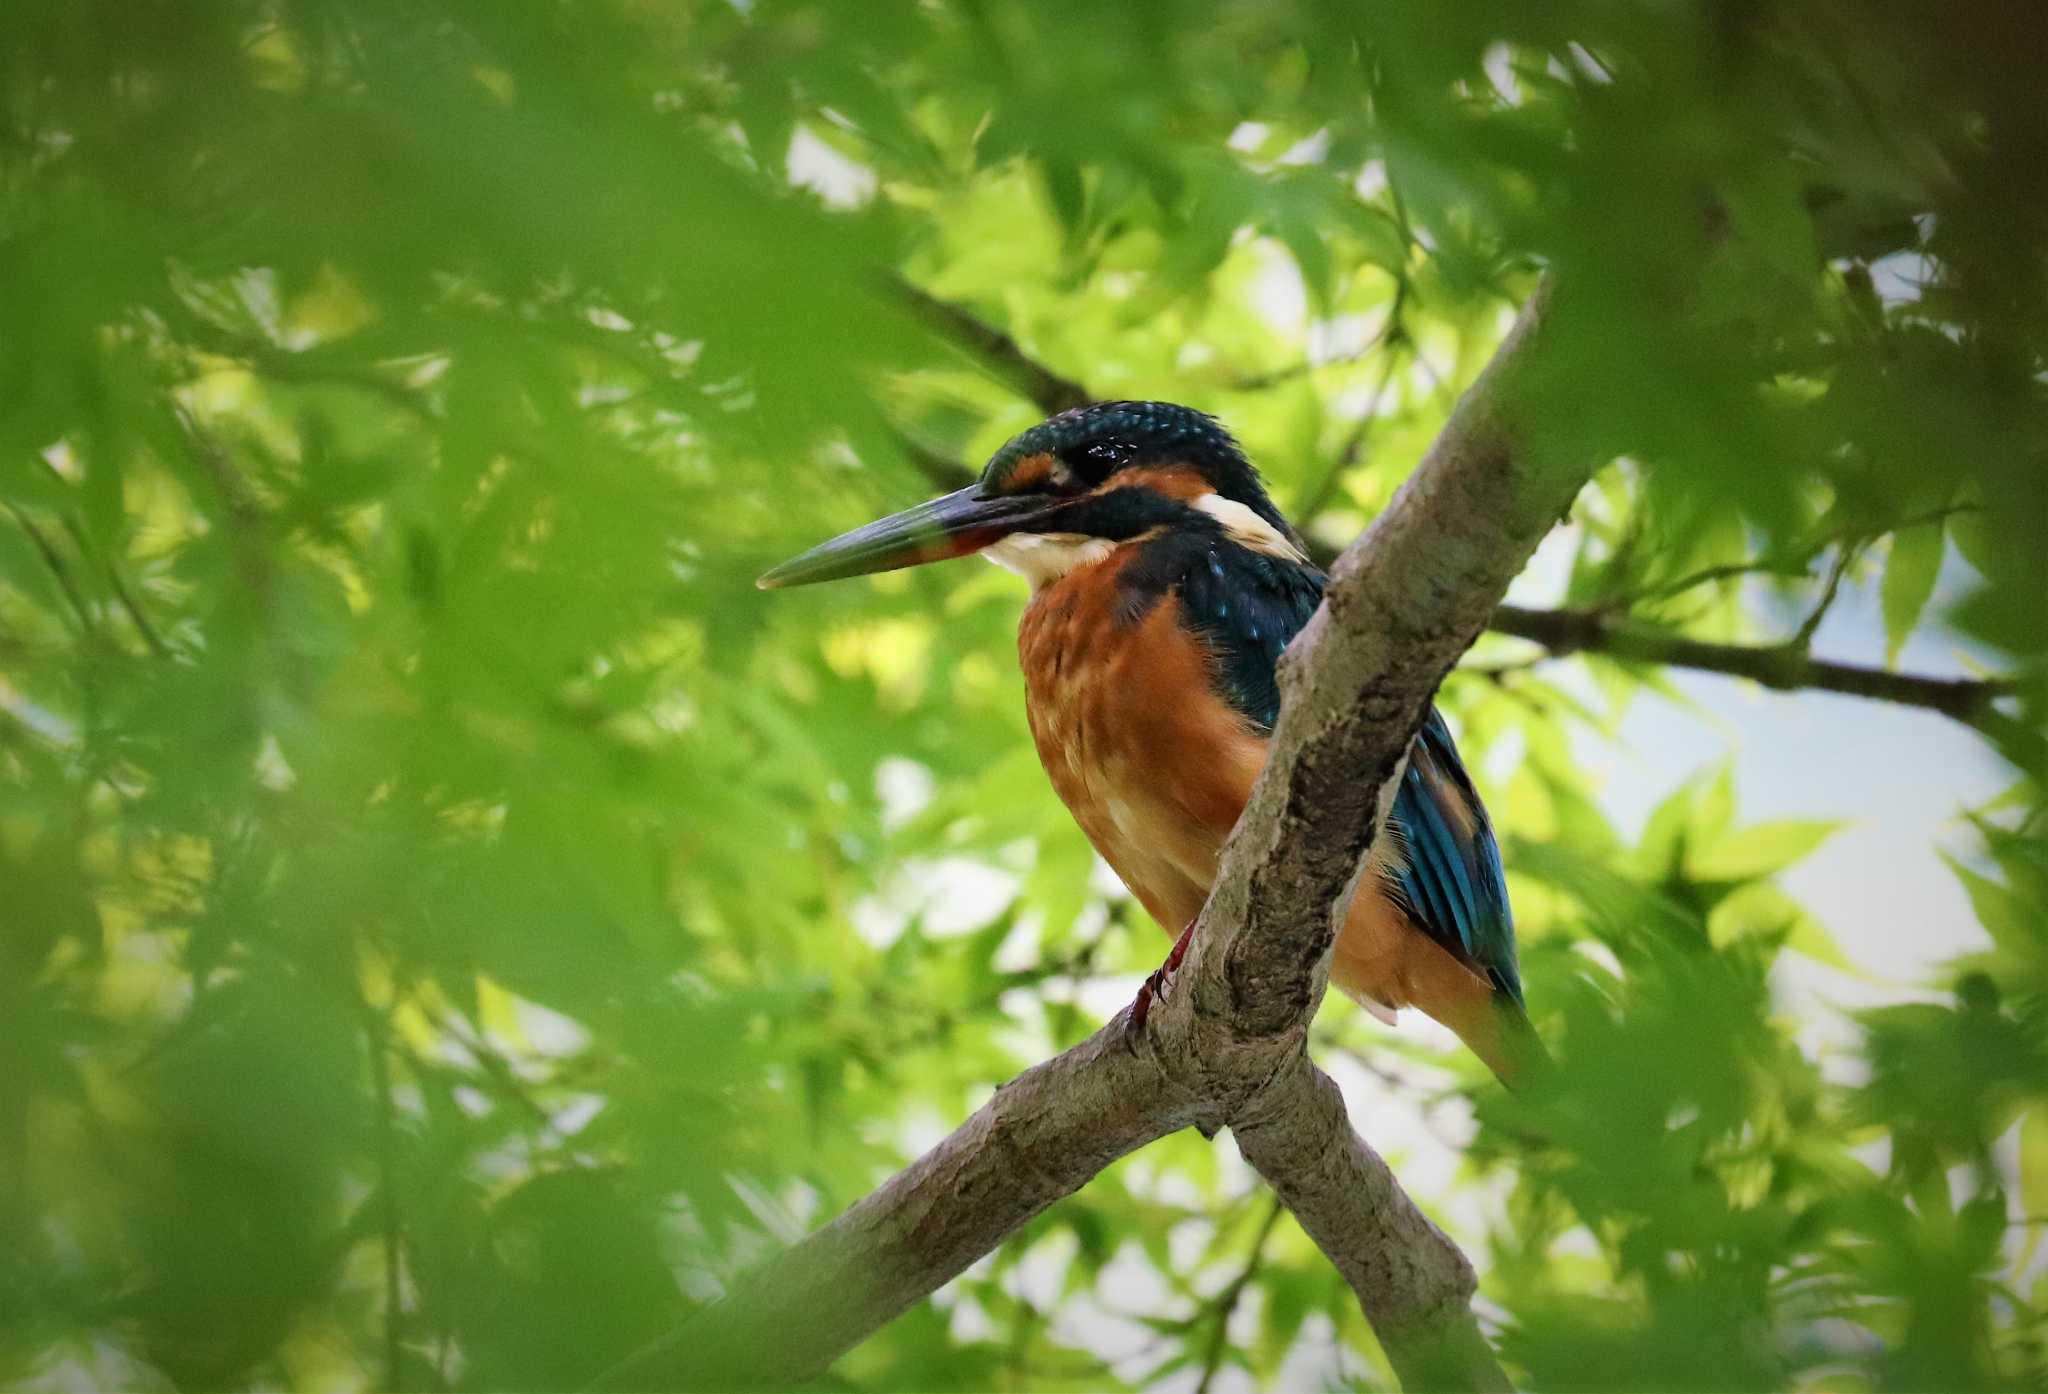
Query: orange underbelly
(1156, 769)
(1153, 764)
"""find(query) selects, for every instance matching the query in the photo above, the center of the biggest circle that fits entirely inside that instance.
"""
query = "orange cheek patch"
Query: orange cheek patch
(1028, 473)
(1174, 481)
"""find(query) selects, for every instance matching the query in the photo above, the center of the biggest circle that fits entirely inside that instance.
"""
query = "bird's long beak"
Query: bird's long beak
(952, 526)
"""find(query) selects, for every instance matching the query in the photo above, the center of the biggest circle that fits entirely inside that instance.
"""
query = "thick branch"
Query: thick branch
(1040, 1138)
(1784, 667)
(1412, 1282)
(1403, 603)
(1226, 1047)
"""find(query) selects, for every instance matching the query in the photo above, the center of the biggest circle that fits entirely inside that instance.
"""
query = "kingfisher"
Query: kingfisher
(1164, 586)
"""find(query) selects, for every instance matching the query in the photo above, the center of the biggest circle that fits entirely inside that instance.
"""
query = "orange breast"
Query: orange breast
(1154, 765)
(1156, 769)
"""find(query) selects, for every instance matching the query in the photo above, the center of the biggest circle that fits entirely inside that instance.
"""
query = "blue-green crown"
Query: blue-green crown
(1096, 441)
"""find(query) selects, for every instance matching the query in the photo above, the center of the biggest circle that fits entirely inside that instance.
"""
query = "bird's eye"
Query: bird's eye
(1106, 455)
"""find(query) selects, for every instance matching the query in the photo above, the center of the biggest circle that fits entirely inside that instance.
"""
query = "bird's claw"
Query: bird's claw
(1160, 979)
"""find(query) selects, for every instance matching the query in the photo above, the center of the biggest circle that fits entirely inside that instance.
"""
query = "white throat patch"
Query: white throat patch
(1043, 557)
(1247, 529)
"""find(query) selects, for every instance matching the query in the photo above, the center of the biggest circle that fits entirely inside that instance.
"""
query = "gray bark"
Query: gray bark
(1226, 1048)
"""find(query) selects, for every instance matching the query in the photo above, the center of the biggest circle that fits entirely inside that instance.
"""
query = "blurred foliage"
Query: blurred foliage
(453, 923)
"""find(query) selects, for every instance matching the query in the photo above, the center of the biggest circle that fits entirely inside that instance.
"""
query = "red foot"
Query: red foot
(1156, 985)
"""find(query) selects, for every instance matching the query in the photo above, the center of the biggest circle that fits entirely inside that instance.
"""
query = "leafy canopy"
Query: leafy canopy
(453, 923)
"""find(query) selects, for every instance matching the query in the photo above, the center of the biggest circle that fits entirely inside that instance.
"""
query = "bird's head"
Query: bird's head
(1067, 492)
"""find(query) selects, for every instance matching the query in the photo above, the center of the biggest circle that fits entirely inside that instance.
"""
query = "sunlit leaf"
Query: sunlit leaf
(1910, 571)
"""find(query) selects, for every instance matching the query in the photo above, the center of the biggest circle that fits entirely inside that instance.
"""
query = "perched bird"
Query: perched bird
(1165, 585)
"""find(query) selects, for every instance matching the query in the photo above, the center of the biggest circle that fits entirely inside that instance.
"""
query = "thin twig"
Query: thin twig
(1790, 561)
(998, 351)
(1565, 632)
(58, 568)
(1354, 448)
(1392, 338)
(1802, 637)
(1274, 377)
(136, 614)
(1225, 1304)
(1760, 566)
(939, 468)
(376, 1032)
(494, 1064)
(309, 367)
(151, 639)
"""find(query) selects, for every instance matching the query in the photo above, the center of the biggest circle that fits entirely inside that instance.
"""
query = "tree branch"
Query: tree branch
(941, 470)
(1562, 632)
(54, 559)
(996, 351)
(1779, 666)
(1403, 603)
(1413, 1283)
(1041, 1137)
(1354, 448)
(1227, 1046)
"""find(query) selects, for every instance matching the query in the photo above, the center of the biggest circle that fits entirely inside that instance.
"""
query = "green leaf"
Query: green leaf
(1976, 539)
(1909, 575)
(1761, 849)
(1311, 254)
(1716, 808)
(2034, 1161)
(2011, 922)
(1663, 843)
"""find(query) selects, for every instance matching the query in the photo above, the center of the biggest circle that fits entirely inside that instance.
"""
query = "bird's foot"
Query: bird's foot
(1156, 985)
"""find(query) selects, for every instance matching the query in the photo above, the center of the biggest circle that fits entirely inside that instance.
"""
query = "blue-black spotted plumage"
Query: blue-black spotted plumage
(1094, 442)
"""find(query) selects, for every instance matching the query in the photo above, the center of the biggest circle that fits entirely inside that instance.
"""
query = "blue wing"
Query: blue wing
(1452, 884)
(1248, 606)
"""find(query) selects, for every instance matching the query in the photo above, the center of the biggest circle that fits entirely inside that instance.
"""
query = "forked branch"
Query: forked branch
(1227, 1046)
